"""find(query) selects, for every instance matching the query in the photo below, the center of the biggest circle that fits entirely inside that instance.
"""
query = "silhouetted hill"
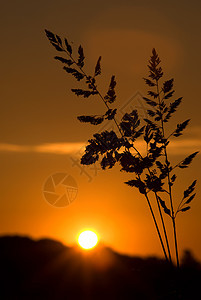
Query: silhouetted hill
(47, 269)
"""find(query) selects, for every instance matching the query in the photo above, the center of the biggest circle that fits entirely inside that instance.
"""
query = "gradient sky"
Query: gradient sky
(39, 132)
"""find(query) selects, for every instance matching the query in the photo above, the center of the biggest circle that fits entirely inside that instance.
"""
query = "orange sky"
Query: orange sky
(39, 132)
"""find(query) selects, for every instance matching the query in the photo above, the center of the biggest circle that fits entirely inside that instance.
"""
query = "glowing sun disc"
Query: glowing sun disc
(87, 239)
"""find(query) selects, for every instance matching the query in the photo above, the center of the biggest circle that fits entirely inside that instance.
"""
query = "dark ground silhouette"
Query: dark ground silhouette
(47, 269)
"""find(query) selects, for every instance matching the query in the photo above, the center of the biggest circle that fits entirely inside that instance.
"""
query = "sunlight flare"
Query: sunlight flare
(87, 239)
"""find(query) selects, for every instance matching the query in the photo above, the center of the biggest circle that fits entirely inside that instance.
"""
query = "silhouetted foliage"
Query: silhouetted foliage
(98, 67)
(172, 108)
(180, 128)
(187, 161)
(152, 171)
(162, 203)
(85, 94)
(94, 120)
(111, 96)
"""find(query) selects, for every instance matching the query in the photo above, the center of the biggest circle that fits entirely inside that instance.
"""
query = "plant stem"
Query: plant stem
(175, 240)
(161, 216)
(173, 215)
(168, 177)
(162, 220)
(149, 204)
(164, 229)
(156, 225)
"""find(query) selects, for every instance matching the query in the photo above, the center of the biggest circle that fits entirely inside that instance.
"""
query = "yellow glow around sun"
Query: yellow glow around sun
(87, 239)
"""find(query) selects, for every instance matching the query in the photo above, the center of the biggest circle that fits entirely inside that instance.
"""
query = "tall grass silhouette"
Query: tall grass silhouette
(152, 172)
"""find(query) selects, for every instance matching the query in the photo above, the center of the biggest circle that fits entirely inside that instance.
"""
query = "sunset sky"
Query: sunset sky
(41, 136)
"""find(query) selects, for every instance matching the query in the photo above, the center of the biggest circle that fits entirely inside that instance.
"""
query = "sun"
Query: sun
(87, 239)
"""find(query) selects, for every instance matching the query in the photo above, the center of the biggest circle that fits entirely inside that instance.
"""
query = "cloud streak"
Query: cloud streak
(183, 146)
(52, 148)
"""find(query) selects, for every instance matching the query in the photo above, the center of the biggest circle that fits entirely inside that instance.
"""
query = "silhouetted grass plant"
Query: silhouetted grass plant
(153, 171)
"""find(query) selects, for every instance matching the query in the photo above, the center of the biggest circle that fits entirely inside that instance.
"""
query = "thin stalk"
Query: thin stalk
(156, 225)
(149, 204)
(164, 229)
(173, 216)
(169, 182)
(162, 220)
(175, 240)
